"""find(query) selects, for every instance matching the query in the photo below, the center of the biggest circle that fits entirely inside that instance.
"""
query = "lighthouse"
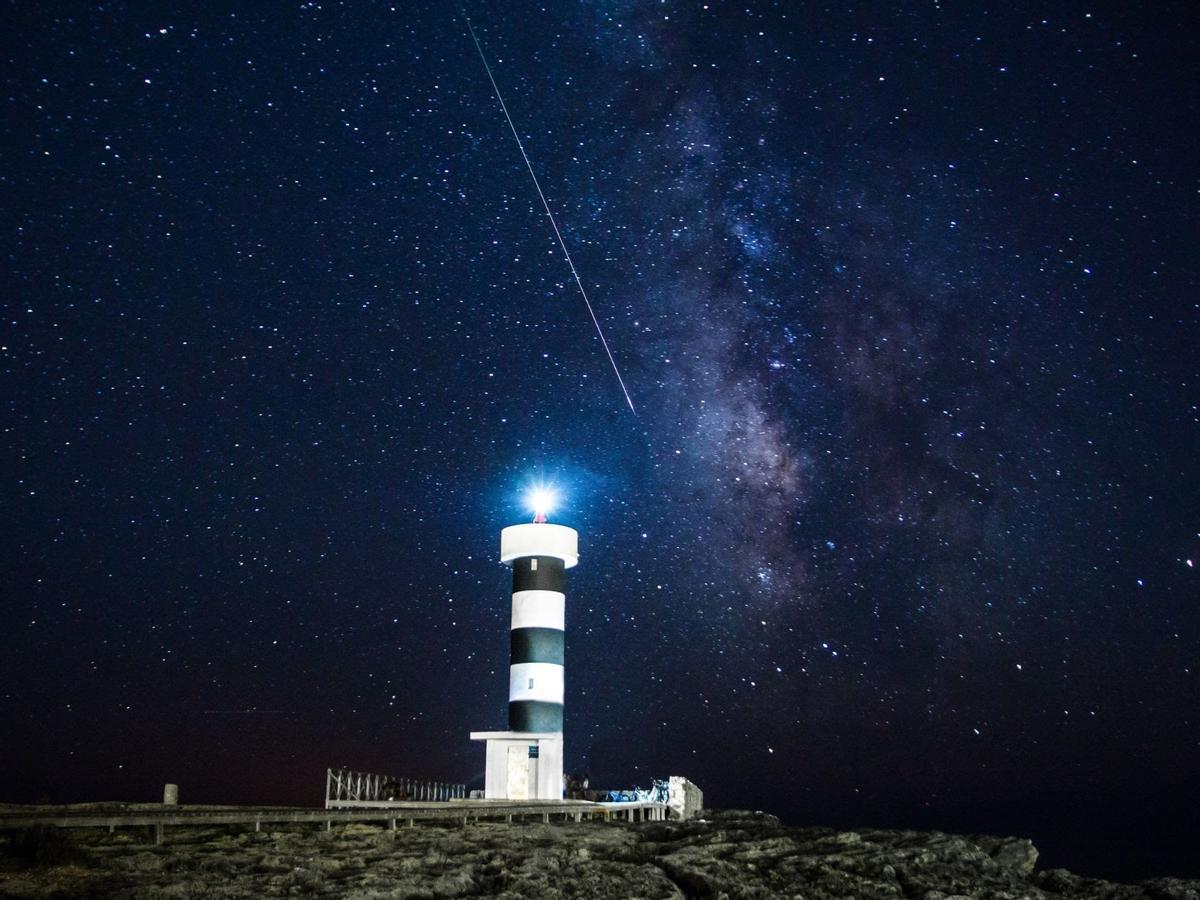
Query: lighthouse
(525, 762)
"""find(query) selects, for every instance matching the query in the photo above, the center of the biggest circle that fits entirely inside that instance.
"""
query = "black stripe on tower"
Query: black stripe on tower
(535, 715)
(536, 645)
(539, 573)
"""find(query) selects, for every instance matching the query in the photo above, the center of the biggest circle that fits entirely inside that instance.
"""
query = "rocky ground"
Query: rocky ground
(722, 854)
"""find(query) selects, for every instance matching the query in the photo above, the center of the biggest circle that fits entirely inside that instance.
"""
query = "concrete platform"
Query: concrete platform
(390, 813)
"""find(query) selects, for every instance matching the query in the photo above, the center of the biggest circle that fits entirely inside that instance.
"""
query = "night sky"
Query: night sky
(904, 531)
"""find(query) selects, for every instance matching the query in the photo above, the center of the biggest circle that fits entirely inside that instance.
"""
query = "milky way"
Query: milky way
(903, 533)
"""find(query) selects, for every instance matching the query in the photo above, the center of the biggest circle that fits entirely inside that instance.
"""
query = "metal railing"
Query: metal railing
(346, 788)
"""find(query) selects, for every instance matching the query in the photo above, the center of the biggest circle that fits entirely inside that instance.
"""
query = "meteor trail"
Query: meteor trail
(549, 214)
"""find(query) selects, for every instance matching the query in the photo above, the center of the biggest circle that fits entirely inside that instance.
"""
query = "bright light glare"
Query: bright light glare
(541, 500)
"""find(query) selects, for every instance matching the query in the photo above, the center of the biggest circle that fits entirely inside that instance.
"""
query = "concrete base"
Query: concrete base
(684, 798)
(522, 765)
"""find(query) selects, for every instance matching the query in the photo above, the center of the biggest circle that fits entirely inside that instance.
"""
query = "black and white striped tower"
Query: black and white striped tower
(540, 554)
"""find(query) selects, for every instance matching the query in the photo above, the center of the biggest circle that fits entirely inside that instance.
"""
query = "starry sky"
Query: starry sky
(903, 533)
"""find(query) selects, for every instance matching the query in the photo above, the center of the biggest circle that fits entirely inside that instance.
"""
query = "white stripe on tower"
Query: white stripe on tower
(535, 681)
(539, 609)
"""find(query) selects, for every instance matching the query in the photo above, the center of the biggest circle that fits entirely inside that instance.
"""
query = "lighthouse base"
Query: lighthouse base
(522, 765)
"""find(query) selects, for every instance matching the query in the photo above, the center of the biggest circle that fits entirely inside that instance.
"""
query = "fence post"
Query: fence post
(328, 784)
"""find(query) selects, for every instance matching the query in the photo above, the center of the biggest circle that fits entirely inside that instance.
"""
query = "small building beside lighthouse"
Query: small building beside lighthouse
(526, 762)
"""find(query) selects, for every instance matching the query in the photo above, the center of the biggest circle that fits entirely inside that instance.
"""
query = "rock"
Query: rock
(1172, 889)
(1018, 854)
(722, 854)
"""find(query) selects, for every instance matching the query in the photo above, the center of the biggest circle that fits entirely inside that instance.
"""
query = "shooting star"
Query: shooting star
(549, 214)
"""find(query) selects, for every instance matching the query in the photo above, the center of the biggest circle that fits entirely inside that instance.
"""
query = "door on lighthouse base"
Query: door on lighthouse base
(518, 772)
